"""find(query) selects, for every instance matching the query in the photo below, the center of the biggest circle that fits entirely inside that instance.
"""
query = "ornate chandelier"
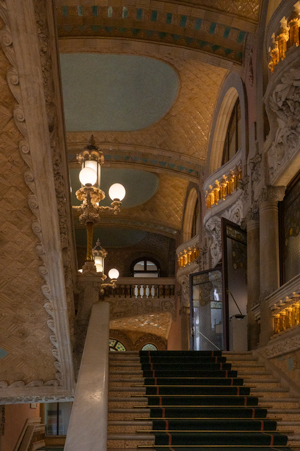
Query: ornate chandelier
(90, 194)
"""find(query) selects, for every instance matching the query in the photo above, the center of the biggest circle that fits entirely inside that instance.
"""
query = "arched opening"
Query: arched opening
(220, 132)
(145, 267)
(191, 217)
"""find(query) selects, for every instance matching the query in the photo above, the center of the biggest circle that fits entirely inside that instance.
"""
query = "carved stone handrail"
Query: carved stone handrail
(142, 287)
(188, 252)
(223, 182)
(285, 305)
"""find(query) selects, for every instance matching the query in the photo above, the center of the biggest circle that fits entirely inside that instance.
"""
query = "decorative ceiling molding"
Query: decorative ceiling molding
(159, 162)
(215, 27)
(36, 117)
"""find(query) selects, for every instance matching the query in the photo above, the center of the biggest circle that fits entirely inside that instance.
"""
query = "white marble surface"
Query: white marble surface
(88, 423)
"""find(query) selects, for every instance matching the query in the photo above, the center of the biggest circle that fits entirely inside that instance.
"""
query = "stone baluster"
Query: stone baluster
(142, 291)
(136, 291)
(147, 291)
(153, 291)
(282, 37)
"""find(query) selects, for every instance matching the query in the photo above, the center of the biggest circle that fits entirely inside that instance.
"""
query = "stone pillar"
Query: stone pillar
(269, 254)
(253, 278)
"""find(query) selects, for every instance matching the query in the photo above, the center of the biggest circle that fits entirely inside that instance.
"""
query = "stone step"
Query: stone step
(273, 392)
(129, 440)
(248, 375)
(128, 426)
(283, 414)
(125, 382)
(128, 374)
(280, 403)
(130, 366)
(262, 382)
(129, 414)
(127, 403)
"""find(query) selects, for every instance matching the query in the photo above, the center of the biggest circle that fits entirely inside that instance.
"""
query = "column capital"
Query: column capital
(271, 195)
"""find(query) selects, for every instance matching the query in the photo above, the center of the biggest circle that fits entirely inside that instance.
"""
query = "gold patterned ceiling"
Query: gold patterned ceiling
(202, 41)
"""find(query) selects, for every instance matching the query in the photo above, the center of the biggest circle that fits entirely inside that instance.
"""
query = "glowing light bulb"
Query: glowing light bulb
(113, 273)
(87, 175)
(117, 191)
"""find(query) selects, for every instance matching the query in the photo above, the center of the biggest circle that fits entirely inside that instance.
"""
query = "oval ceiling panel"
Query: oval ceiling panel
(115, 92)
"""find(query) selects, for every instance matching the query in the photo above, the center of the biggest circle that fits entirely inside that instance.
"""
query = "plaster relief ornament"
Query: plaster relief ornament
(285, 103)
(213, 226)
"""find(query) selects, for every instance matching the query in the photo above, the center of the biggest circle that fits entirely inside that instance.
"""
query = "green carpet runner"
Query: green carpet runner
(198, 403)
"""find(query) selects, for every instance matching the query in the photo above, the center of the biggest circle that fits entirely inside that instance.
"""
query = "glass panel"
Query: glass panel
(120, 347)
(149, 347)
(207, 311)
(150, 266)
(237, 277)
(63, 409)
(140, 266)
(51, 418)
(236, 269)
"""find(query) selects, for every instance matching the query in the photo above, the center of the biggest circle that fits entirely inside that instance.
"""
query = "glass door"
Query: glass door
(206, 310)
(218, 297)
(234, 241)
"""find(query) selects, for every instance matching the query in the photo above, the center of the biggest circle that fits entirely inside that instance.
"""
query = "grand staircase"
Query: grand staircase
(184, 400)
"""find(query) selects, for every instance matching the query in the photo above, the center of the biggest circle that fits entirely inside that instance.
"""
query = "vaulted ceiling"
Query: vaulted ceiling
(197, 43)
(144, 77)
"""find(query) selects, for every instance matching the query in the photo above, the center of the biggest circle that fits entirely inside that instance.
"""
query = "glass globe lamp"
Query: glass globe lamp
(87, 176)
(113, 273)
(117, 192)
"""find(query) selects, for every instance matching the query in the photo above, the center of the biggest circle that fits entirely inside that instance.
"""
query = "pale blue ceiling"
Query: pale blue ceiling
(115, 92)
(140, 185)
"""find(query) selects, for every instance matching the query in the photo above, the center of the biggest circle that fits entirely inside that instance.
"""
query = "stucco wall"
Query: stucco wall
(15, 417)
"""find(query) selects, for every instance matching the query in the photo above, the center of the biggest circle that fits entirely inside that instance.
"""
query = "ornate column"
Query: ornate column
(269, 253)
(253, 274)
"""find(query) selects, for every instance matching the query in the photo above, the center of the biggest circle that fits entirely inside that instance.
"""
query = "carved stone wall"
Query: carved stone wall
(213, 228)
(23, 319)
(36, 290)
(283, 107)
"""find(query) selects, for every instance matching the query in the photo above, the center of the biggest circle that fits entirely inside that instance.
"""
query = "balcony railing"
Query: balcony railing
(188, 252)
(287, 36)
(224, 182)
(285, 306)
(143, 287)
